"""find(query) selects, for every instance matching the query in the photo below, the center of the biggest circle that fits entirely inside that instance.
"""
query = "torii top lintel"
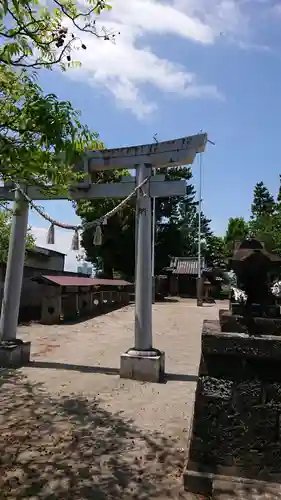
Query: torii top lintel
(169, 153)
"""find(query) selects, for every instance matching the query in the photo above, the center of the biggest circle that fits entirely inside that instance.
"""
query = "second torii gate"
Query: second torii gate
(142, 361)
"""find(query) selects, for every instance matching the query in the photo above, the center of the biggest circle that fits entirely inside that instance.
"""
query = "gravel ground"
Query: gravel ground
(70, 428)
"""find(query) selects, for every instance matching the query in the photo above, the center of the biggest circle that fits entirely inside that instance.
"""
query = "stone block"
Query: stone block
(141, 367)
(272, 311)
(14, 354)
(240, 345)
(198, 482)
(236, 419)
(248, 393)
(210, 387)
(230, 322)
(221, 487)
(272, 393)
(224, 489)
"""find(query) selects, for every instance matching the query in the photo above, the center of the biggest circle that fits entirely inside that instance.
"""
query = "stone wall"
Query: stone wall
(237, 413)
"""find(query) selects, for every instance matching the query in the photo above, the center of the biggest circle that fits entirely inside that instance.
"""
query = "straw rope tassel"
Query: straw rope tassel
(75, 241)
(51, 235)
(97, 241)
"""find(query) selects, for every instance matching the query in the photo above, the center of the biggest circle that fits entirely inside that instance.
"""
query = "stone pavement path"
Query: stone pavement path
(70, 428)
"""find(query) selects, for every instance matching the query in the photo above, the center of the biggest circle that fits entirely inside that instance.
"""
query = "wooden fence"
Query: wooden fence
(76, 305)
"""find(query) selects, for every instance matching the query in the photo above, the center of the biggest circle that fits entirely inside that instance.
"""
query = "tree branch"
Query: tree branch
(31, 30)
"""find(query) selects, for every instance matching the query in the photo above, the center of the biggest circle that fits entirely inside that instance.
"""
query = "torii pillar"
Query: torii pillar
(143, 361)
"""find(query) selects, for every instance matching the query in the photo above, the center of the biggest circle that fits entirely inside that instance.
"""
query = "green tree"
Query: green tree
(41, 138)
(174, 216)
(265, 222)
(276, 223)
(117, 250)
(177, 223)
(263, 202)
(264, 229)
(216, 251)
(38, 35)
(5, 229)
(237, 230)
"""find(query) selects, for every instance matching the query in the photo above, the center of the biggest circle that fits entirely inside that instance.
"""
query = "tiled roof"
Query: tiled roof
(43, 251)
(82, 281)
(186, 265)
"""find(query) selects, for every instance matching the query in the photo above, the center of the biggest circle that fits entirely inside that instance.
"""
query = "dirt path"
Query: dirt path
(70, 428)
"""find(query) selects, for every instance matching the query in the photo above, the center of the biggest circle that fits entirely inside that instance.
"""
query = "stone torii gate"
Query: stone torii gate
(142, 362)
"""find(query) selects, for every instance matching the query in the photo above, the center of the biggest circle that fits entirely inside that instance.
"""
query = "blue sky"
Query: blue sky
(178, 67)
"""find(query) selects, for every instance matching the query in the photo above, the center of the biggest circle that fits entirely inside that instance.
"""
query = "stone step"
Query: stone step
(243, 489)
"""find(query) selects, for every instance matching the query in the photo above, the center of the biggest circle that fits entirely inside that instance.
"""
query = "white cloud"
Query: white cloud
(276, 9)
(222, 16)
(62, 244)
(162, 18)
(125, 68)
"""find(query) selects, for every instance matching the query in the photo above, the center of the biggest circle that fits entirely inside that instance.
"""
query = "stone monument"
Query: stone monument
(235, 440)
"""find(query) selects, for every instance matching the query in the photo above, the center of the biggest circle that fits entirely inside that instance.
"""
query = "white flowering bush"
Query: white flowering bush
(276, 289)
(238, 295)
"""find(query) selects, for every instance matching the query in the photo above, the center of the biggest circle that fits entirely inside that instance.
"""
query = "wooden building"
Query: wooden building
(39, 261)
(44, 258)
(182, 274)
(182, 277)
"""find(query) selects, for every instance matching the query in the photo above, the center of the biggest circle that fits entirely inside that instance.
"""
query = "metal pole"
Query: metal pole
(153, 244)
(136, 236)
(143, 286)
(153, 233)
(14, 270)
(199, 216)
(136, 243)
(199, 279)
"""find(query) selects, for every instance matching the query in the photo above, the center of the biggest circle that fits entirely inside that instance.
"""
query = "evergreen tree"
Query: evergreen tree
(215, 251)
(265, 219)
(237, 230)
(177, 223)
(263, 202)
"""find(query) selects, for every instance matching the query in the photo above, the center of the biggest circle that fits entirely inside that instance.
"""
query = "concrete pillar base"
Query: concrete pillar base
(146, 366)
(14, 353)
